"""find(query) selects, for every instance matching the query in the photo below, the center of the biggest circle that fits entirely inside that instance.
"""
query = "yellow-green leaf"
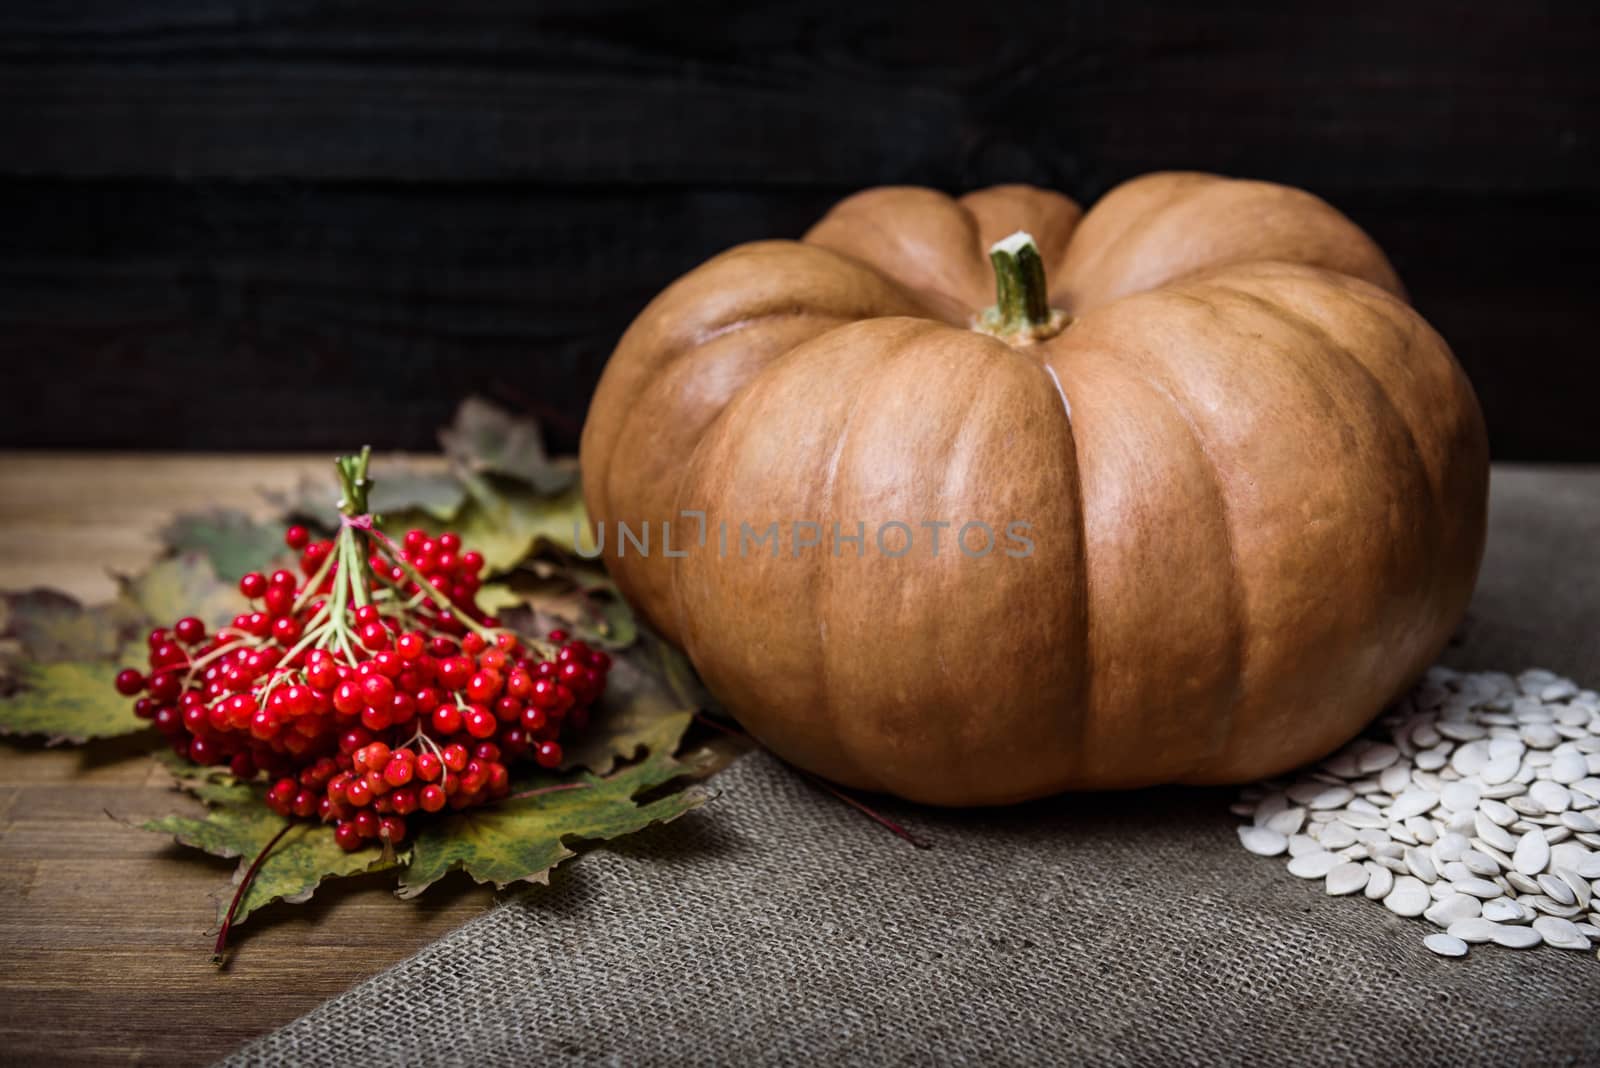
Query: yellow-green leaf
(503, 521)
(184, 585)
(297, 865)
(234, 542)
(65, 701)
(648, 686)
(521, 838)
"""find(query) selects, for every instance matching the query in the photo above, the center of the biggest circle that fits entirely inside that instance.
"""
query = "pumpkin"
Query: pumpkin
(1234, 486)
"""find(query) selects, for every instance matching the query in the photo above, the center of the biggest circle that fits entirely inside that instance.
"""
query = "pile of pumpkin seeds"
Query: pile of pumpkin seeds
(1474, 804)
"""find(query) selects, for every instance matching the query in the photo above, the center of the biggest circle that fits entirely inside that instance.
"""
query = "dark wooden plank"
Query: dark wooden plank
(271, 315)
(1363, 96)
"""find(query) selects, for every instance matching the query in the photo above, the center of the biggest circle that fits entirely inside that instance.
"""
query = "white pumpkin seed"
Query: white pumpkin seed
(1380, 881)
(1474, 929)
(1505, 910)
(1408, 898)
(1446, 945)
(1313, 865)
(1562, 934)
(1263, 841)
(1516, 937)
(1474, 803)
(1447, 910)
(1346, 878)
(1532, 854)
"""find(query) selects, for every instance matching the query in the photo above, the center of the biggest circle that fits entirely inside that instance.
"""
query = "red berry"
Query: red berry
(129, 682)
(358, 793)
(484, 686)
(286, 630)
(473, 644)
(558, 635)
(455, 756)
(410, 646)
(189, 630)
(352, 740)
(277, 601)
(429, 767)
(392, 829)
(400, 768)
(431, 798)
(366, 823)
(480, 722)
(348, 698)
(347, 836)
(297, 537)
(253, 585)
(165, 686)
(374, 636)
(548, 755)
(534, 719)
(447, 719)
(404, 800)
(377, 691)
(377, 719)
(455, 672)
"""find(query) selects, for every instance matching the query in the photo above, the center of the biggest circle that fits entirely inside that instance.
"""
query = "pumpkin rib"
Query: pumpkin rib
(1431, 479)
(1082, 621)
(1239, 613)
(1382, 431)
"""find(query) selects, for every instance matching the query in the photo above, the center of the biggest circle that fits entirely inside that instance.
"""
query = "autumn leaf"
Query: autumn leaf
(521, 838)
(50, 626)
(503, 520)
(183, 585)
(305, 856)
(213, 785)
(437, 494)
(578, 599)
(487, 440)
(234, 542)
(65, 701)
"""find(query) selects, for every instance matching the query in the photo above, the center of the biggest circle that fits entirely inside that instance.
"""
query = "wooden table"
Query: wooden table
(104, 951)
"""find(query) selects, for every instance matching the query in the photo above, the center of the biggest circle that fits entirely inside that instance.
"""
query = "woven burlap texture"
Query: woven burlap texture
(779, 926)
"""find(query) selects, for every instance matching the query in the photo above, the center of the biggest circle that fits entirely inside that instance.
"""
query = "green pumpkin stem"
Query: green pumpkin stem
(1021, 312)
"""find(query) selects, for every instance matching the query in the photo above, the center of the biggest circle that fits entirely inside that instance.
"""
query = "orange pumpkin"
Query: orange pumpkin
(1251, 481)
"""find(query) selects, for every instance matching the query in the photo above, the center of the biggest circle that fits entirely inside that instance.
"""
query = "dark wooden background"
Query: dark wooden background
(297, 224)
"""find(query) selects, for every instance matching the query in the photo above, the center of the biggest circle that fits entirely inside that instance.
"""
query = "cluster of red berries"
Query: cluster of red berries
(367, 695)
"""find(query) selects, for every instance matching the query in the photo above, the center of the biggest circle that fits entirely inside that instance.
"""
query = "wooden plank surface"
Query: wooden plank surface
(103, 928)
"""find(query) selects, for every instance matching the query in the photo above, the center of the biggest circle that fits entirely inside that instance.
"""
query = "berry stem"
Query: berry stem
(219, 951)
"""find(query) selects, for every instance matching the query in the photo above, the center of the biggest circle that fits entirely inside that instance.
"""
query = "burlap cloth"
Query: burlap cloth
(779, 926)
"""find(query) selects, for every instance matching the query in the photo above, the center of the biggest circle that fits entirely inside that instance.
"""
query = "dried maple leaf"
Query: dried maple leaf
(521, 838)
(235, 543)
(64, 701)
(486, 439)
(49, 626)
(183, 585)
